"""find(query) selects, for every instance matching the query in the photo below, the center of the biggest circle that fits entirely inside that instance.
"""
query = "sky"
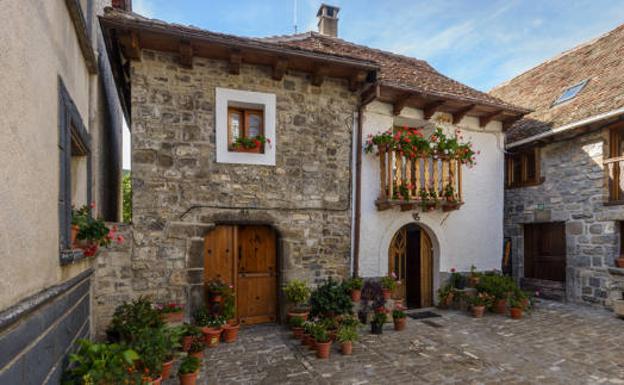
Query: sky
(480, 43)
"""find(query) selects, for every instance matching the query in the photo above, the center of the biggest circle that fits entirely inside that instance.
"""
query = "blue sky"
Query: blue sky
(479, 42)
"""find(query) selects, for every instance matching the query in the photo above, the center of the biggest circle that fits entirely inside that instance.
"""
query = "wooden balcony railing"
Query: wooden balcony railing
(403, 180)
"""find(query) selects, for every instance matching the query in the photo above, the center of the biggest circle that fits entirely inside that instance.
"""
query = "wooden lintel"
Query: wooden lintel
(371, 93)
(131, 46)
(356, 80)
(318, 76)
(236, 58)
(430, 108)
(485, 119)
(279, 68)
(459, 114)
(186, 54)
(399, 103)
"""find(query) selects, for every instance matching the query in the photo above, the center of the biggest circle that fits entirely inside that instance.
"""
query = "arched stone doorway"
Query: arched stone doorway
(410, 257)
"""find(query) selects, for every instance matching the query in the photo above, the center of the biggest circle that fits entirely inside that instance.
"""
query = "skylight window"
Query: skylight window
(570, 92)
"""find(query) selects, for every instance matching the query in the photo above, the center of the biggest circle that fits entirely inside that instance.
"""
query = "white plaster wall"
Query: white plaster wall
(471, 235)
(38, 44)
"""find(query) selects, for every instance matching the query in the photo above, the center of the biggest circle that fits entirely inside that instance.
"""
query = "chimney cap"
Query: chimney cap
(328, 11)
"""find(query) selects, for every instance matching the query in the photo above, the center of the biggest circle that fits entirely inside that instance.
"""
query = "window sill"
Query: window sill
(613, 203)
(542, 179)
(71, 256)
(259, 151)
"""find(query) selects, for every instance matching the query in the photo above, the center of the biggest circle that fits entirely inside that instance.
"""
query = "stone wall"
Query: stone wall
(573, 192)
(180, 192)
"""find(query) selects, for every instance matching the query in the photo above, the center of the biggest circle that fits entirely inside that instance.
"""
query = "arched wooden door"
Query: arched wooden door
(410, 257)
(246, 257)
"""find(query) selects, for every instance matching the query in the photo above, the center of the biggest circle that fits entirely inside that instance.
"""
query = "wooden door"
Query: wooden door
(545, 251)
(397, 257)
(256, 275)
(426, 270)
(219, 255)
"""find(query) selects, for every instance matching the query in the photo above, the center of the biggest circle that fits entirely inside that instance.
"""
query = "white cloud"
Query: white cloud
(143, 7)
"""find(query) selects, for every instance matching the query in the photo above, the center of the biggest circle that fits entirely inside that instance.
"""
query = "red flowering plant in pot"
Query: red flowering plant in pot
(250, 144)
(479, 303)
(399, 318)
(215, 289)
(388, 284)
(91, 233)
(171, 312)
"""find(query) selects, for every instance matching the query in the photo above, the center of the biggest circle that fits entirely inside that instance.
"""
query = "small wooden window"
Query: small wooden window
(614, 163)
(244, 123)
(523, 169)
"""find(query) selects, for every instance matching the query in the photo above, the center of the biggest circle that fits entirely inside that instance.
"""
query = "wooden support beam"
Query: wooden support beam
(485, 119)
(318, 76)
(186, 54)
(370, 94)
(459, 114)
(399, 103)
(279, 68)
(131, 46)
(430, 108)
(236, 58)
(356, 80)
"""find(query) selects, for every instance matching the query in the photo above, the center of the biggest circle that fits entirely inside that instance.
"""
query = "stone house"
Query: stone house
(301, 203)
(60, 146)
(563, 199)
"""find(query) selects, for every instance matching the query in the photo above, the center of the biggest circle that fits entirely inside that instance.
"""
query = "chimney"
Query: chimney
(328, 20)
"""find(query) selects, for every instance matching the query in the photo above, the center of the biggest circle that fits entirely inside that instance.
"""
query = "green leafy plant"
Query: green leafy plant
(126, 183)
(169, 308)
(100, 363)
(480, 299)
(131, 317)
(202, 316)
(229, 304)
(297, 292)
(216, 286)
(349, 321)
(319, 332)
(252, 142)
(347, 334)
(198, 345)
(330, 299)
(92, 229)
(498, 286)
(389, 282)
(444, 292)
(189, 365)
(153, 346)
(354, 283)
(188, 330)
(296, 322)
(379, 318)
(398, 313)
(457, 280)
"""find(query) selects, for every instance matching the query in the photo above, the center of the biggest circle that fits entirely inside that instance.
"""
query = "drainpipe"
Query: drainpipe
(358, 194)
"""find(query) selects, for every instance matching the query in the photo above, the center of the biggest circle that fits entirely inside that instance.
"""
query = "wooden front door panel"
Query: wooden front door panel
(256, 275)
(219, 254)
(397, 257)
(545, 251)
(426, 270)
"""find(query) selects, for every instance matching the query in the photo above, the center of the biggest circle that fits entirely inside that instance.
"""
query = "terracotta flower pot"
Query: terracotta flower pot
(74, 234)
(303, 314)
(155, 381)
(188, 379)
(356, 295)
(477, 311)
(172, 318)
(619, 262)
(500, 306)
(166, 369)
(215, 297)
(323, 349)
(346, 348)
(387, 293)
(187, 341)
(312, 343)
(399, 323)
(230, 333)
(212, 336)
(515, 312)
(297, 332)
(199, 355)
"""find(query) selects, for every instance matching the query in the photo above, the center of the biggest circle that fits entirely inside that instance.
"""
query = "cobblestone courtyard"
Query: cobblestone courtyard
(556, 344)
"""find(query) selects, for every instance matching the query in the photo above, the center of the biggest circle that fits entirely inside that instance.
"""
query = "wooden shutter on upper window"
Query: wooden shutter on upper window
(253, 123)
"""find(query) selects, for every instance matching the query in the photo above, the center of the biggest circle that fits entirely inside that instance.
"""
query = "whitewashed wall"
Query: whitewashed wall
(471, 235)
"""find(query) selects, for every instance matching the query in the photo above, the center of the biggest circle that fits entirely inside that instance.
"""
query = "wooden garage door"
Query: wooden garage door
(545, 251)
(245, 256)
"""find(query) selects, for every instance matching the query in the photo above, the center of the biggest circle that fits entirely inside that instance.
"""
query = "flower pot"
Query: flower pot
(212, 336)
(619, 262)
(515, 312)
(172, 318)
(399, 323)
(230, 333)
(323, 349)
(376, 328)
(303, 314)
(618, 307)
(187, 341)
(188, 379)
(199, 354)
(477, 311)
(304, 339)
(448, 207)
(216, 298)
(253, 150)
(90, 249)
(356, 295)
(297, 332)
(500, 306)
(311, 343)
(387, 293)
(155, 381)
(346, 348)
(166, 369)
(74, 234)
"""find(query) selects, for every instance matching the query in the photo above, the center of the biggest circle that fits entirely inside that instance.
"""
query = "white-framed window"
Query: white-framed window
(245, 127)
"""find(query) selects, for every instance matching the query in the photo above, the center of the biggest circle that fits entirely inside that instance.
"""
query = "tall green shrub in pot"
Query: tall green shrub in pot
(298, 293)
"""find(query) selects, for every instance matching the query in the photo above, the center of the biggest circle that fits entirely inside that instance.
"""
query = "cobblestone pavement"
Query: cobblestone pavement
(556, 344)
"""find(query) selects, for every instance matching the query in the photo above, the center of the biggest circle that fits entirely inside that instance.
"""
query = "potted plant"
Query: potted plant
(254, 144)
(197, 348)
(297, 292)
(457, 280)
(516, 306)
(215, 289)
(307, 333)
(92, 232)
(379, 319)
(189, 332)
(131, 317)
(479, 302)
(188, 370)
(346, 335)
(399, 318)
(152, 345)
(231, 327)
(330, 299)
(354, 285)
(445, 296)
(474, 278)
(171, 312)
(451, 202)
(172, 342)
(388, 284)
(102, 363)
(212, 331)
(322, 341)
(499, 288)
(296, 325)
(425, 203)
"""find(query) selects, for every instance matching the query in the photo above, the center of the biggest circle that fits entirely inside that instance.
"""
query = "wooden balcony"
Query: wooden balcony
(403, 181)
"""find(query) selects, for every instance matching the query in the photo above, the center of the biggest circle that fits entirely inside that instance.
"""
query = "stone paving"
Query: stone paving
(555, 344)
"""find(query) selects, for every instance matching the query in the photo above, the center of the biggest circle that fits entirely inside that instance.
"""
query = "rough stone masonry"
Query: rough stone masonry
(180, 192)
